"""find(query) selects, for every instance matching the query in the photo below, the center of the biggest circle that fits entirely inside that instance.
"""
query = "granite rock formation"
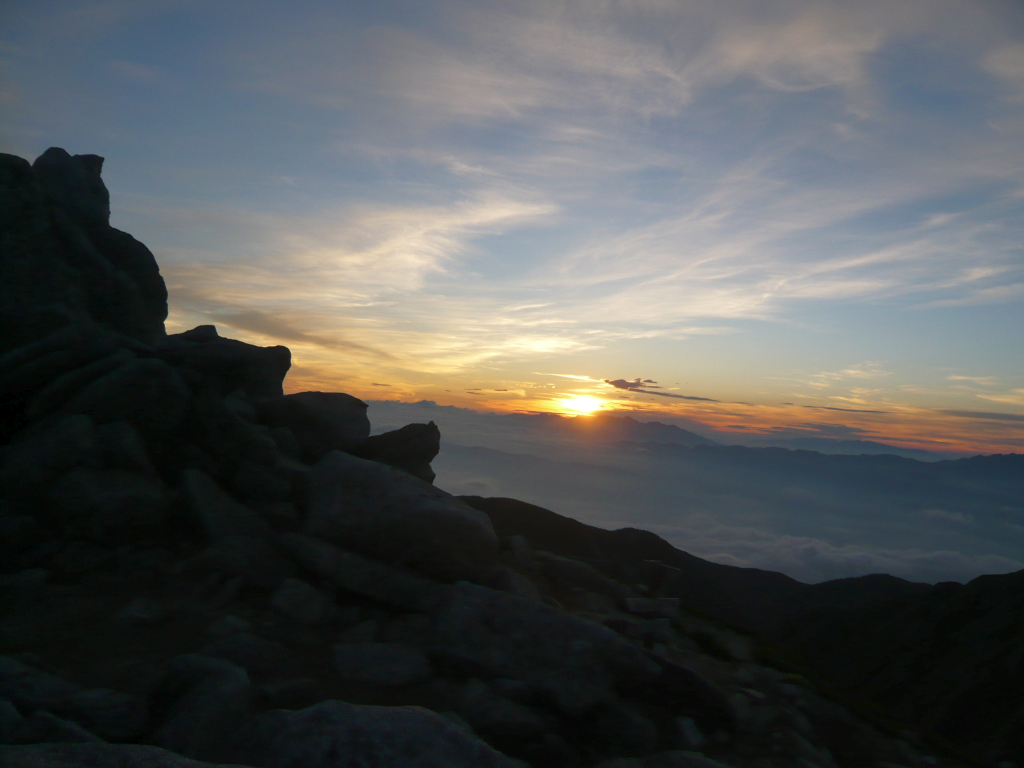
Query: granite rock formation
(198, 569)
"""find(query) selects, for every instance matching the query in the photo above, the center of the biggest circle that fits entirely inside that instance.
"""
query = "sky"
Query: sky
(755, 219)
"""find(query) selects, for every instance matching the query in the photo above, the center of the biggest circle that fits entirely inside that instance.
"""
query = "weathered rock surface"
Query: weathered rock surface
(234, 365)
(303, 602)
(411, 448)
(30, 688)
(385, 513)
(575, 662)
(108, 504)
(217, 515)
(334, 734)
(43, 726)
(204, 701)
(258, 656)
(491, 713)
(103, 713)
(147, 393)
(388, 664)
(360, 575)
(320, 421)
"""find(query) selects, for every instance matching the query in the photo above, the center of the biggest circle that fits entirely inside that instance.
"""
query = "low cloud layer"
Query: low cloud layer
(795, 515)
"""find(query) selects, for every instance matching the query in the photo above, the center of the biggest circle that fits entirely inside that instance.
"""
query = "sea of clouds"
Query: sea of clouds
(779, 518)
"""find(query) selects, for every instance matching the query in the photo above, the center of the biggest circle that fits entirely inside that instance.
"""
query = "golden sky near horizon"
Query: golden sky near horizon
(803, 218)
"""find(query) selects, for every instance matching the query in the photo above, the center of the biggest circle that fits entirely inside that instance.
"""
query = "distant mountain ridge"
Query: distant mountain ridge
(853, 448)
(1007, 466)
(609, 427)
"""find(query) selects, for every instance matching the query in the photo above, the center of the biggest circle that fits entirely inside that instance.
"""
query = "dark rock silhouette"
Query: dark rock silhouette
(321, 422)
(60, 260)
(949, 658)
(197, 567)
(411, 448)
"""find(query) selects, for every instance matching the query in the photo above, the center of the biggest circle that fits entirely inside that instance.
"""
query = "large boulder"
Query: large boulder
(29, 688)
(215, 513)
(494, 715)
(411, 448)
(387, 664)
(108, 714)
(203, 702)
(241, 541)
(33, 463)
(107, 505)
(386, 513)
(359, 575)
(146, 393)
(573, 662)
(303, 603)
(236, 450)
(320, 421)
(111, 715)
(42, 727)
(230, 364)
(335, 734)
(37, 378)
(258, 656)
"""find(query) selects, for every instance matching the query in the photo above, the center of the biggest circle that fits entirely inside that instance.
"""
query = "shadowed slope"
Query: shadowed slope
(748, 598)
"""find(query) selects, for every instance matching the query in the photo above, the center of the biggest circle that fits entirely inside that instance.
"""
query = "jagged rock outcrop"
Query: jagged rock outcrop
(193, 560)
(411, 448)
(62, 263)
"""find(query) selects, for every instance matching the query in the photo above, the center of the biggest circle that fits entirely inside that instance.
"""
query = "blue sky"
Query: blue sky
(788, 208)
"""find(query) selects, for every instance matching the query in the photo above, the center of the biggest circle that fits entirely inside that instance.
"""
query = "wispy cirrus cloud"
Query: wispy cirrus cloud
(1016, 397)
(735, 197)
(981, 381)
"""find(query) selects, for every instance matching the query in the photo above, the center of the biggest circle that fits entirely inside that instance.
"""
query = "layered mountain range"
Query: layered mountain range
(197, 569)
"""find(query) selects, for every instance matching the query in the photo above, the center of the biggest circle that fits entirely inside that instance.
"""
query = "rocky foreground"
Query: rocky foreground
(197, 567)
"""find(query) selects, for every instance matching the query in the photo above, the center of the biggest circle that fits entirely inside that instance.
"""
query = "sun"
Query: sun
(580, 404)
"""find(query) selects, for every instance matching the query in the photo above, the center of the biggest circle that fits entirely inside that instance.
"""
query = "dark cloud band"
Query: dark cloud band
(645, 386)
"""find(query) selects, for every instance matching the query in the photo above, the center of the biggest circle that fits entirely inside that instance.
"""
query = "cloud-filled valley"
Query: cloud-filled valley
(812, 516)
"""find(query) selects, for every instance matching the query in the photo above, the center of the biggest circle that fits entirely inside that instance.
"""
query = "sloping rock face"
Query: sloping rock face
(198, 569)
(950, 659)
(572, 661)
(384, 512)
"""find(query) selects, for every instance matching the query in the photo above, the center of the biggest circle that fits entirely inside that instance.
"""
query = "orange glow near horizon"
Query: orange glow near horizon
(579, 404)
(880, 420)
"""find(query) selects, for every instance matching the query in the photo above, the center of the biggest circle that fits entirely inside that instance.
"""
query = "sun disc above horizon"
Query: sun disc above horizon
(580, 404)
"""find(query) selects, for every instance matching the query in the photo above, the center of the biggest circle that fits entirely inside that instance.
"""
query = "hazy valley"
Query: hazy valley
(809, 515)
